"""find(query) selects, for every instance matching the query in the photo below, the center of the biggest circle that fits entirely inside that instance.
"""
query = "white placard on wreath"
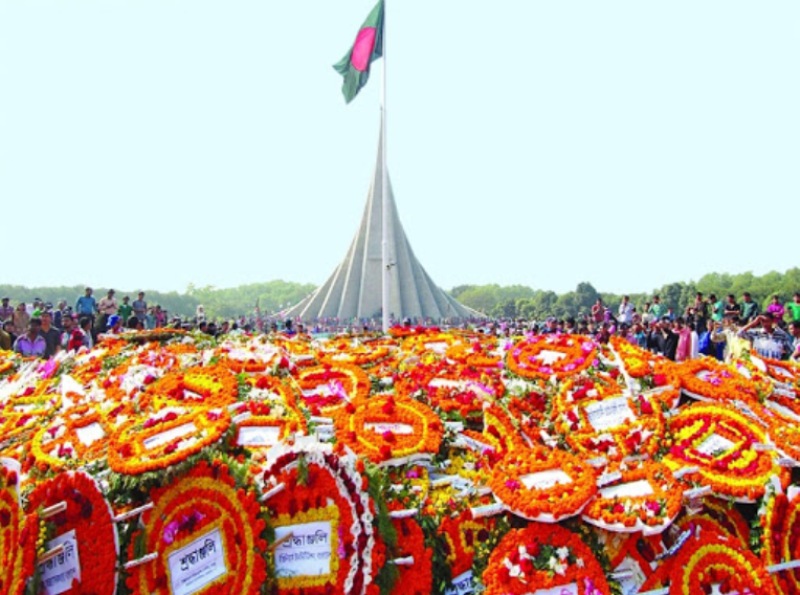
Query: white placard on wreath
(197, 564)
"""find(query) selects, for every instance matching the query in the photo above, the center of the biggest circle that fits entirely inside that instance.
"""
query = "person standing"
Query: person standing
(700, 312)
(625, 313)
(51, 335)
(31, 343)
(776, 309)
(717, 308)
(657, 309)
(5, 340)
(598, 311)
(683, 349)
(6, 310)
(107, 306)
(768, 341)
(732, 309)
(82, 336)
(794, 331)
(86, 305)
(750, 308)
(793, 308)
(67, 326)
(125, 310)
(140, 308)
(21, 319)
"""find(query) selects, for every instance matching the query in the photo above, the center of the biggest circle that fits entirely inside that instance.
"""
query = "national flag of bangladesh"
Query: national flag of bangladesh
(368, 46)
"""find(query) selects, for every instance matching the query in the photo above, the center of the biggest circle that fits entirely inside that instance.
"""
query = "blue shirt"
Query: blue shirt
(86, 305)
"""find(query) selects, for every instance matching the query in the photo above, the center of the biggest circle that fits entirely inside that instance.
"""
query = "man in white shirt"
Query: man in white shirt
(625, 313)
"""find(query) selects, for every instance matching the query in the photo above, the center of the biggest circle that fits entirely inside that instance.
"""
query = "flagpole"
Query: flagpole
(386, 265)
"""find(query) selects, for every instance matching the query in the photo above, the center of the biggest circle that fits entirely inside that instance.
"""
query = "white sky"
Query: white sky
(157, 143)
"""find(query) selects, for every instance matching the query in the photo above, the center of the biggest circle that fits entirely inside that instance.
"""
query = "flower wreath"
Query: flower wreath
(187, 514)
(623, 425)
(530, 560)
(211, 386)
(716, 558)
(642, 496)
(781, 522)
(783, 373)
(725, 516)
(477, 353)
(462, 533)
(638, 362)
(270, 402)
(319, 487)
(362, 354)
(17, 536)
(416, 579)
(544, 356)
(531, 411)
(543, 485)
(23, 414)
(167, 437)
(76, 437)
(249, 358)
(498, 431)
(89, 515)
(451, 387)
(709, 380)
(328, 387)
(718, 440)
(389, 429)
(430, 341)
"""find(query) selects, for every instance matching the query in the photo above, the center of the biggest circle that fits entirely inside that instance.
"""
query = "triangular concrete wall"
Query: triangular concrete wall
(354, 290)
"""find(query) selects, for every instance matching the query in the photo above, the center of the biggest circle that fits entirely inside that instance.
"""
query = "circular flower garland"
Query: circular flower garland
(270, 402)
(166, 438)
(771, 515)
(89, 515)
(328, 387)
(543, 485)
(476, 353)
(726, 517)
(205, 500)
(643, 496)
(462, 534)
(545, 356)
(707, 379)
(788, 539)
(17, 533)
(715, 558)
(416, 579)
(319, 486)
(451, 387)
(362, 354)
(718, 440)
(212, 386)
(530, 560)
(389, 428)
(622, 426)
(531, 411)
(78, 436)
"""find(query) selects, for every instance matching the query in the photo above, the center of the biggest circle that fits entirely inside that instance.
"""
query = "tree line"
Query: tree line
(518, 301)
(512, 301)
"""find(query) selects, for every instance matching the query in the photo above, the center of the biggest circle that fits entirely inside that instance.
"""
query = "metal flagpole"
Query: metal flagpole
(386, 265)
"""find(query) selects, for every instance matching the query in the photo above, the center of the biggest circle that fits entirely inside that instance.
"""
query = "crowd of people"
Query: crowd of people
(712, 326)
(717, 327)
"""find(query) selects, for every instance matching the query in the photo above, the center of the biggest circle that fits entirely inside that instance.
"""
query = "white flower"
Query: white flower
(563, 553)
(560, 569)
(579, 563)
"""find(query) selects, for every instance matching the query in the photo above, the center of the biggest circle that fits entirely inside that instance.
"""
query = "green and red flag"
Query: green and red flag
(368, 46)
